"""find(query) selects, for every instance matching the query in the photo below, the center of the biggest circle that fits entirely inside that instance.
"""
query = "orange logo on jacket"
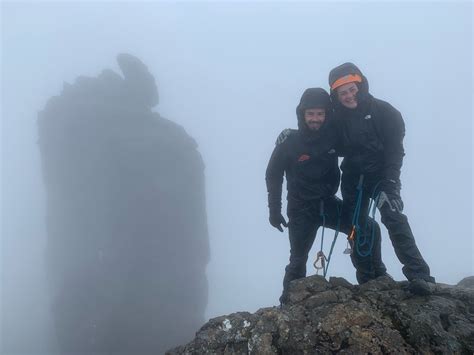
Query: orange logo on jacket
(304, 157)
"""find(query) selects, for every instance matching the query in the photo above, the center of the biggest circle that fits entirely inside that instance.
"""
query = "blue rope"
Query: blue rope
(355, 217)
(362, 237)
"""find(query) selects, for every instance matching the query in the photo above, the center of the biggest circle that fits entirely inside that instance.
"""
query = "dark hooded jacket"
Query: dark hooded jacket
(371, 135)
(307, 157)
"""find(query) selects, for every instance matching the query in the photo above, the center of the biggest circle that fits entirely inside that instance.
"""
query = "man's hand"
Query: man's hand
(390, 195)
(276, 220)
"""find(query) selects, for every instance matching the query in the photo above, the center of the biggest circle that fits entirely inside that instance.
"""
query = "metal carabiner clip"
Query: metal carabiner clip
(350, 238)
(348, 250)
(320, 262)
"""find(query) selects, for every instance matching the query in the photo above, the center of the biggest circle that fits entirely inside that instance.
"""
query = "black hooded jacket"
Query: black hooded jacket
(371, 135)
(307, 157)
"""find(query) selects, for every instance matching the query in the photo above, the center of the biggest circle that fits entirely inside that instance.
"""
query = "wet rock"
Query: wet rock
(337, 317)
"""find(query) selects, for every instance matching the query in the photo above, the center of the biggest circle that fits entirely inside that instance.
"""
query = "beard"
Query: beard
(313, 126)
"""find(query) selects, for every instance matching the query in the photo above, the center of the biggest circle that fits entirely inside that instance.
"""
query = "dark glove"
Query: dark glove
(390, 186)
(389, 194)
(276, 220)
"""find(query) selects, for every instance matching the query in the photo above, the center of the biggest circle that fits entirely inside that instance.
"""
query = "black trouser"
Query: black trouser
(304, 221)
(414, 266)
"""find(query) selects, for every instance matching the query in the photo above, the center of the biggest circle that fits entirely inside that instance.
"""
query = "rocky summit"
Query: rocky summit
(379, 317)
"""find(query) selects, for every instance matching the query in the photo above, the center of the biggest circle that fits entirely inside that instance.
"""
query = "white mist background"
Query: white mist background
(232, 74)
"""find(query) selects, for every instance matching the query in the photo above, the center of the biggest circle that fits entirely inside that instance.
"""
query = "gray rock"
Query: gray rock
(304, 288)
(340, 282)
(381, 316)
(140, 82)
(125, 192)
(467, 282)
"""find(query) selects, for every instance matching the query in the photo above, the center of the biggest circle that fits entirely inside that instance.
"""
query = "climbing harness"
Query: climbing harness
(358, 239)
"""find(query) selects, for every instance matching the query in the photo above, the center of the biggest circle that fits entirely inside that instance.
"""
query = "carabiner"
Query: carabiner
(320, 262)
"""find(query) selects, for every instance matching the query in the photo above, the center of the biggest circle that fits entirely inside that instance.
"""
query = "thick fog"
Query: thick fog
(232, 74)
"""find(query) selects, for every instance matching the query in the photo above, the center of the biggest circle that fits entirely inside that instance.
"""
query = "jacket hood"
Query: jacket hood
(313, 98)
(347, 69)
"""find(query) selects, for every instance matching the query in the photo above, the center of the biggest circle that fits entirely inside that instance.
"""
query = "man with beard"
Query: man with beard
(308, 157)
(371, 133)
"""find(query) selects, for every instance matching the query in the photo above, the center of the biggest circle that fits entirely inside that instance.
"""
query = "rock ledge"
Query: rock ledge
(379, 317)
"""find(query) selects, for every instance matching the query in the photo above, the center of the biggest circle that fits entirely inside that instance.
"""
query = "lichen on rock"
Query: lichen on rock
(379, 317)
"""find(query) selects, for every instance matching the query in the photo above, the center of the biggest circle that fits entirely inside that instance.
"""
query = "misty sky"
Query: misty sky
(232, 74)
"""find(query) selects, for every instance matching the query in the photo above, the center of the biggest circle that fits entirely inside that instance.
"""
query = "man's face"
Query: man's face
(346, 95)
(314, 118)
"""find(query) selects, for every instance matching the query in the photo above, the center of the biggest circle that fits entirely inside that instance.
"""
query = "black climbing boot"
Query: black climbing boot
(421, 287)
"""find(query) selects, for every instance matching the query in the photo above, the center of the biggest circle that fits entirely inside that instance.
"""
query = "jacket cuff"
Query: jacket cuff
(274, 207)
(393, 175)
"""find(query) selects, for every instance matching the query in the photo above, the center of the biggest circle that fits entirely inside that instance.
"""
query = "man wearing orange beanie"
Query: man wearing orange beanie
(371, 141)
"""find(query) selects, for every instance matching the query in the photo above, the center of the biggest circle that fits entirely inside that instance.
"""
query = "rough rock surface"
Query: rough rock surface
(379, 317)
(467, 282)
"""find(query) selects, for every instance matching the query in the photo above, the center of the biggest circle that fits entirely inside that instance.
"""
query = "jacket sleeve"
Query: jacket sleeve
(394, 132)
(337, 137)
(274, 177)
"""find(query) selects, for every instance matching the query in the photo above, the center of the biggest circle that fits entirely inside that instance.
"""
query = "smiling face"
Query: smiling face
(314, 118)
(346, 94)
